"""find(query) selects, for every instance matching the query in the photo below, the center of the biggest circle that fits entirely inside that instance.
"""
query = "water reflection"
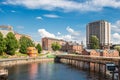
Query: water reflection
(48, 71)
(33, 70)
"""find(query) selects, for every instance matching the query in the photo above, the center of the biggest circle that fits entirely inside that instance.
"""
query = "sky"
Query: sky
(62, 19)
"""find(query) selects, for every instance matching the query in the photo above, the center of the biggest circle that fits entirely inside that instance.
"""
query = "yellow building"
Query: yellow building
(32, 51)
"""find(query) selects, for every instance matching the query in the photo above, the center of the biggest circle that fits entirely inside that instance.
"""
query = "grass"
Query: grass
(17, 55)
(50, 56)
(3, 56)
(20, 55)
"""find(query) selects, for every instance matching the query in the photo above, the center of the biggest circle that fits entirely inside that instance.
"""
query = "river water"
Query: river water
(49, 71)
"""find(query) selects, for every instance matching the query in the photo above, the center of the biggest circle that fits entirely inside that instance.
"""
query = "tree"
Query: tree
(2, 44)
(56, 46)
(24, 43)
(39, 48)
(117, 48)
(11, 44)
(94, 42)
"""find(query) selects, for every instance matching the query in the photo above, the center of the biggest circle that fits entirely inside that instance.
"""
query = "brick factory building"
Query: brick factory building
(72, 47)
(47, 43)
(18, 36)
(98, 52)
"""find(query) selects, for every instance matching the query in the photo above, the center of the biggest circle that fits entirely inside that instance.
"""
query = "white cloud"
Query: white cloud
(44, 33)
(68, 37)
(58, 33)
(115, 38)
(39, 18)
(116, 26)
(51, 16)
(66, 5)
(72, 31)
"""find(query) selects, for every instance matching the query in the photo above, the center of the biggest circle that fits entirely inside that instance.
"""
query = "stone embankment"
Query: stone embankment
(14, 61)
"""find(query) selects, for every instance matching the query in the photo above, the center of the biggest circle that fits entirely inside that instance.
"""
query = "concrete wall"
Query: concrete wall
(9, 62)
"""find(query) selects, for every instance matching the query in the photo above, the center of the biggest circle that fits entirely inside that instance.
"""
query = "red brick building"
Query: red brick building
(47, 43)
(72, 47)
(18, 36)
(110, 53)
(105, 53)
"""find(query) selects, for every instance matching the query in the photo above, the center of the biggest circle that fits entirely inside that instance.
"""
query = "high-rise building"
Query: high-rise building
(100, 29)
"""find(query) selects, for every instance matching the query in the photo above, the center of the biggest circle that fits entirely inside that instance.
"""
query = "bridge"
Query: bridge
(94, 63)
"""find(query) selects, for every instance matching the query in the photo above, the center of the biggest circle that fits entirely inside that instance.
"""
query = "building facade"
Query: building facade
(47, 43)
(101, 52)
(101, 29)
(72, 47)
(18, 36)
(6, 29)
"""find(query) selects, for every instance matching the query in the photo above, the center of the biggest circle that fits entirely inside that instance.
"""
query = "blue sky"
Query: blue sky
(63, 19)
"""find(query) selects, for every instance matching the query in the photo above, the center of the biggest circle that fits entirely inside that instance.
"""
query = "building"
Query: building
(101, 29)
(47, 43)
(18, 36)
(32, 51)
(72, 47)
(101, 52)
(6, 29)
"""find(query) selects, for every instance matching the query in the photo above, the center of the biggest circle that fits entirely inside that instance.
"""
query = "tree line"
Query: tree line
(10, 44)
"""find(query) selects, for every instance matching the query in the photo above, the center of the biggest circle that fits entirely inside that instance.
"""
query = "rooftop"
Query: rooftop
(53, 39)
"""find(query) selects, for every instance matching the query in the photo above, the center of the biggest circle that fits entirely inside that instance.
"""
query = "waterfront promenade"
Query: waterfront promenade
(96, 59)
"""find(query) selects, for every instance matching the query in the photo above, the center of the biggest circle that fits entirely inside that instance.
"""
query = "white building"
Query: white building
(102, 30)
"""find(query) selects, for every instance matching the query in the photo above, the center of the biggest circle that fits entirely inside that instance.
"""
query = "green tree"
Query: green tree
(24, 43)
(94, 42)
(2, 44)
(39, 48)
(56, 46)
(117, 48)
(11, 44)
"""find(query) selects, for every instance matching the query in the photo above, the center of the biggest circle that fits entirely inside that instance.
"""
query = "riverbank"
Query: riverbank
(15, 61)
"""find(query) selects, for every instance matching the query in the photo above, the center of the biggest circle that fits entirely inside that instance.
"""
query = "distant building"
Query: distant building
(72, 47)
(101, 52)
(47, 42)
(101, 29)
(18, 36)
(6, 29)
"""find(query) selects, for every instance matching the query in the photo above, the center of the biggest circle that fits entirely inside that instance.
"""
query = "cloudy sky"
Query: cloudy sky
(63, 19)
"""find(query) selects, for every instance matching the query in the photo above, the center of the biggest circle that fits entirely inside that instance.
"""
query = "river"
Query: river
(48, 71)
